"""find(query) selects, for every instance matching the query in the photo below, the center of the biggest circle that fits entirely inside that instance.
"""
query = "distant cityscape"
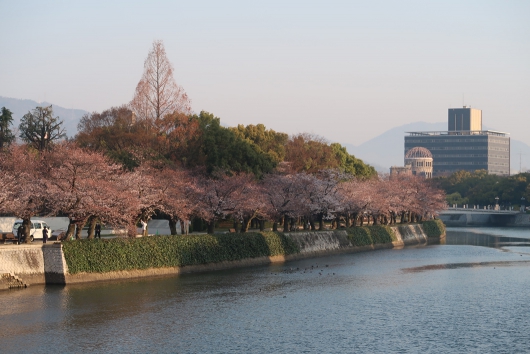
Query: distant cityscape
(464, 146)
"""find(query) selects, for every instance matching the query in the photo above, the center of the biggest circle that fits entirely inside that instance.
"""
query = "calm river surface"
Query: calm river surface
(469, 295)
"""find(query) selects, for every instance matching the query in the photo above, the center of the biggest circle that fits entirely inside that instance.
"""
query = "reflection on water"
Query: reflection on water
(467, 295)
(465, 265)
(495, 237)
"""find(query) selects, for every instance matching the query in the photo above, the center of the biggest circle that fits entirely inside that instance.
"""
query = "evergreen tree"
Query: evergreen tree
(6, 135)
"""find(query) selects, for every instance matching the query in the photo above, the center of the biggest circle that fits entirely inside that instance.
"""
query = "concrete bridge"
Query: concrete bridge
(484, 217)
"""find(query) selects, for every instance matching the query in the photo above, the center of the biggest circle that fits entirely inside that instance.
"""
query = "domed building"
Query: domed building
(464, 146)
(420, 161)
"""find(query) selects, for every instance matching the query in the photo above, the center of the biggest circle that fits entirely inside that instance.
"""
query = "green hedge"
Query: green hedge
(434, 228)
(370, 235)
(99, 256)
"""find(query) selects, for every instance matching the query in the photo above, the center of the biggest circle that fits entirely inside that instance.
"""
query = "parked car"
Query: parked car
(36, 229)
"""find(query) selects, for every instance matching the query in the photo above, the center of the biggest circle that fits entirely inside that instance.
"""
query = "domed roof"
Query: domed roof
(418, 152)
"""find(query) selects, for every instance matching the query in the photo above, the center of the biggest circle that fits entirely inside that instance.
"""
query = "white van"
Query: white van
(36, 229)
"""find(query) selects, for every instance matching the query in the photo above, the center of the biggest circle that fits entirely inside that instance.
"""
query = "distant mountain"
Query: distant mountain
(388, 149)
(70, 117)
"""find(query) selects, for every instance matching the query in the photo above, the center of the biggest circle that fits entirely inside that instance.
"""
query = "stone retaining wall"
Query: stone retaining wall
(45, 264)
(25, 260)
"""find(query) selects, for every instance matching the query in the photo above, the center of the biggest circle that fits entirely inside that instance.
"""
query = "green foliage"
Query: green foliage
(227, 151)
(6, 135)
(268, 141)
(481, 188)
(99, 256)
(456, 198)
(352, 165)
(370, 235)
(433, 228)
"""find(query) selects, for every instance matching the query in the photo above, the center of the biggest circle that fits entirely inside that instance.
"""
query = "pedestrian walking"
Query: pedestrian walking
(44, 235)
(98, 231)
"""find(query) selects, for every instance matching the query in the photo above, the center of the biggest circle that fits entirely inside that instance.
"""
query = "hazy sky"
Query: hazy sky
(345, 70)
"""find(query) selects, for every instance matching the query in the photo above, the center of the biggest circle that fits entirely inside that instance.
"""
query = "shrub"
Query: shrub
(370, 235)
(434, 228)
(99, 256)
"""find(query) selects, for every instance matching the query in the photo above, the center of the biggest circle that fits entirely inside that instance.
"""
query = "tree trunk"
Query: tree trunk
(211, 227)
(312, 226)
(245, 225)
(236, 225)
(172, 226)
(275, 226)
(183, 227)
(375, 217)
(78, 230)
(26, 223)
(285, 224)
(262, 225)
(321, 221)
(70, 231)
(91, 227)
(355, 216)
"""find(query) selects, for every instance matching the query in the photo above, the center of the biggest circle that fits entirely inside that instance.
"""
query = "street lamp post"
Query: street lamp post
(496, 203)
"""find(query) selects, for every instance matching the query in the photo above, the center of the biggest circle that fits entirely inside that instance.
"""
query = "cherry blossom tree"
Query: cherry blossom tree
(285, 198)
(249, 201)
(359, 198)
(148, 192)
(178, 198)
(425, 200)
(322, 192)
(83, 184)
(22, 177)
(217, 197)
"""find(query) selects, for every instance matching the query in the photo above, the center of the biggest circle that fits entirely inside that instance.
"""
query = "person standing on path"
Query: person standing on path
(144, 228)
(44, 235)
(20, 230)
(98, 231)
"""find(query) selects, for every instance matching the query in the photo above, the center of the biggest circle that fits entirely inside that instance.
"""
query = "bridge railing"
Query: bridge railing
(476, 210)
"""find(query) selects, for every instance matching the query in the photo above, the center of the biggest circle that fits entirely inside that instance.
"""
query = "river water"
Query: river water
(468, 295)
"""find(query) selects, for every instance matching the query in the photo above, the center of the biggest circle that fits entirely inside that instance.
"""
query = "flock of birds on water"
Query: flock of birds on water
(305, 270)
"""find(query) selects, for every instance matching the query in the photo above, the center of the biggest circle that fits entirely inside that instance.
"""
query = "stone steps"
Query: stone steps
(11, 281)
